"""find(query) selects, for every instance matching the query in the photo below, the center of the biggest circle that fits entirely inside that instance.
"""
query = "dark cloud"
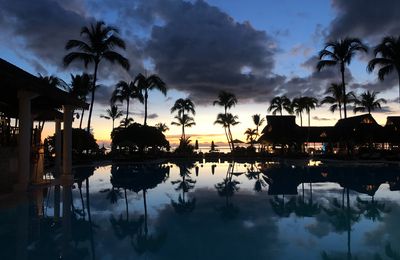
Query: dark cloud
(202, 50)
(41, 27)
(367, 19)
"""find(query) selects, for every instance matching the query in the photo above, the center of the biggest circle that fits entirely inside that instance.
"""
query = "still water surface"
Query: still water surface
(206, 210)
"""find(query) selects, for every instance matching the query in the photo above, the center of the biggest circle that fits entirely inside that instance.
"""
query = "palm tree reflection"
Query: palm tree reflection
(185, 184)
(138, 178)
(253, 173)
(227, 189)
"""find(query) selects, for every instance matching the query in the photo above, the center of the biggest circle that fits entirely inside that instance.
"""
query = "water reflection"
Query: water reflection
(208, 210)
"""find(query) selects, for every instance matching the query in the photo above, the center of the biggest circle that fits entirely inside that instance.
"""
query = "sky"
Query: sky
(255, 49)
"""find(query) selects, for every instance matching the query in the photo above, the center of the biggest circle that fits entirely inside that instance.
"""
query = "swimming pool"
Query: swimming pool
(211, 210)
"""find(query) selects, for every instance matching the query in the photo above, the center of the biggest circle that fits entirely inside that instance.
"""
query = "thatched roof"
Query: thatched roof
(14, 79)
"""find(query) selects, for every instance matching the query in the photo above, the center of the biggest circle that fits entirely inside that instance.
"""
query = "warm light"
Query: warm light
(314, 163)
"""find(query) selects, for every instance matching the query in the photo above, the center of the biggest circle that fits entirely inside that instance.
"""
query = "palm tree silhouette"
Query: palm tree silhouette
(124, 91)
(368, 102)
(183, 105)
(278, 104)
(258, 121)
(335, 97)
(387, 57)
(251, 135)
(298, 108)
(308, 103)
(254, 174)
(227, 120)
(112, 113)
(227, 100)
(183, 121)
(99, 43)
(149, 83)
(162, 127)
(339, 53)
(81, 85)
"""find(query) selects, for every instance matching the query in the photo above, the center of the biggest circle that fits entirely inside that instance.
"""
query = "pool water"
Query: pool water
(211, 210)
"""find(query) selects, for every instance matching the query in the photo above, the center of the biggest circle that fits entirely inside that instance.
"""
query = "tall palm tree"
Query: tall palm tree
(368, 102)
(183, 105)
(149, 83)
(251, 134)
(227, 120)
(309, 103)
(112, 113)
(278, 104)
(81, 85)
(339, 53)
(184, 121)
(226, 100)
(124, 91)
(99, 42)
(298, 108)
(387, 57)
(335, 97)
(258, 121)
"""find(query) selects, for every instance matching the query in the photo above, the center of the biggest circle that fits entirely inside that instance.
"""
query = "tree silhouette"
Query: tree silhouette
(183, 121)
(278, 104)
(149, 83)
(99, 42)
(340, 53)
(125, 91)
(368, 102)
(387, 58)
(81, 85)
(227, 120)
(112, 113)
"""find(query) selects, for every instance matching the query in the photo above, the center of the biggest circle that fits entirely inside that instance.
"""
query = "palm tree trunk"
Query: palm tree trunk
(80, 123)
(301, 119)
(146, 95)
(113, 124)
(127, 112)
(227, 138)
(231, 137)
(145, 211)
(183, 132)
(340, 110)
(96, 65)
(344, 90)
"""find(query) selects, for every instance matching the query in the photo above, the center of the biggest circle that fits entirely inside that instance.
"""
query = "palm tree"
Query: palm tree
(99, 43)
(308, 103)
(387, 57)
(251, 134)
(258, 121)
(112, 113)
(162, 127)
(340, 53)
(81, 85)
(368, 102)
(278, 104)
(227, 120)
(183, 105)
(335, 97)
(184, 121)
(298, 108)
(149, 83)
(124, 91)
(226, 100)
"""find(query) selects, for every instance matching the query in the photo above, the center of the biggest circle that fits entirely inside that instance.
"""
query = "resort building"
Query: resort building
(27, 100)
(282, 134)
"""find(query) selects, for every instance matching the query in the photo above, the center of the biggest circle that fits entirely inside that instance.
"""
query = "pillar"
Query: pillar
(24, 139)
(67, 143)
(57, 167)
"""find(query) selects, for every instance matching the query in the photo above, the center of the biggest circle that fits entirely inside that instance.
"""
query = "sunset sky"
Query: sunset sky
(255, 49)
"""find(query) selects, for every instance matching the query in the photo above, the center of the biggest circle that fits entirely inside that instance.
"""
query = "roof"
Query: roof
(14, 79)
(280, 129)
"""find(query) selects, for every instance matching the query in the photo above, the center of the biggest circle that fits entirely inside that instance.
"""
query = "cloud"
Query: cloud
(322, 118)
(201, 50)
(367, 19)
